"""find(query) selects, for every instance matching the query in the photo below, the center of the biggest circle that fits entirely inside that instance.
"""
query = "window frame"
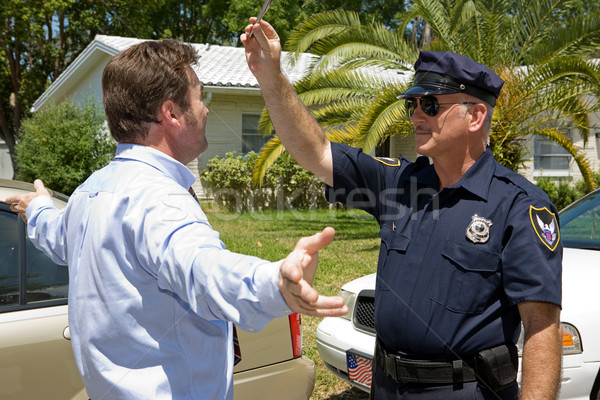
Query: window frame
(537, 157)
(255, 133)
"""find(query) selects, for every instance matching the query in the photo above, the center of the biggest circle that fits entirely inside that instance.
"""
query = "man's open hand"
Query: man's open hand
(19, 203)
(296, 276)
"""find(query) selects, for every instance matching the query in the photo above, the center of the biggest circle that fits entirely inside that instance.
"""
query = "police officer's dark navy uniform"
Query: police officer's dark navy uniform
(469, 249)
(454, 264)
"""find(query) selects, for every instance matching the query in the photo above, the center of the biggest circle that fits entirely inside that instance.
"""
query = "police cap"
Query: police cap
(446, 72)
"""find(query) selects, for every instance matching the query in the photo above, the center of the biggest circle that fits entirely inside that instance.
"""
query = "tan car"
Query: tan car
(36, 360)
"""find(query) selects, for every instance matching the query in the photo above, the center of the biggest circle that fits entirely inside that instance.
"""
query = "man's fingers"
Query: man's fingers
(325, 306)
(316, 242)
(40, 188)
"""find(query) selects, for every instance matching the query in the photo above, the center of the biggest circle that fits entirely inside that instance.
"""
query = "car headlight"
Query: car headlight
(349, 299)
(571, 340)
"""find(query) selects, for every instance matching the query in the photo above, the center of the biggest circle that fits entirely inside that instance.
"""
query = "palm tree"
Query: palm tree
(539, 47)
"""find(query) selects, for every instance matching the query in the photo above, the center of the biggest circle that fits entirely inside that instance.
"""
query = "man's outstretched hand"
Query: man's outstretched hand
(19, 203)
(296, 276)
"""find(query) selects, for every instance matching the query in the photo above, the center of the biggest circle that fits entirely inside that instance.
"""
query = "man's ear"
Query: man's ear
(478, 113)
(170, 113)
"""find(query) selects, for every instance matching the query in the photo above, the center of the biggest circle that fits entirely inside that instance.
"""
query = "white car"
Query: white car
(346, 344)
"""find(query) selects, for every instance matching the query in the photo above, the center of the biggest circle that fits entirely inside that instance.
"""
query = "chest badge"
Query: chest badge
(478, 230)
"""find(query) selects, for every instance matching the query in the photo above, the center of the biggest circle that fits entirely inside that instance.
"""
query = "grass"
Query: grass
(272, 235)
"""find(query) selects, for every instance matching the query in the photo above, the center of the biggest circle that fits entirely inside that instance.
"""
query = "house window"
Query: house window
(252, 140)
(549, 156)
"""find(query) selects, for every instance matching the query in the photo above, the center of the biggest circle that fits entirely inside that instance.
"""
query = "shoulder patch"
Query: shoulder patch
(390, 162)
(545, 225)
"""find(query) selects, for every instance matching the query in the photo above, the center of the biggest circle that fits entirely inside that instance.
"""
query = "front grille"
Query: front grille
(364, 311)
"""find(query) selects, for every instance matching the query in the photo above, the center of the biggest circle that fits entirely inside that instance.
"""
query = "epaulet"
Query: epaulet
(390, 162)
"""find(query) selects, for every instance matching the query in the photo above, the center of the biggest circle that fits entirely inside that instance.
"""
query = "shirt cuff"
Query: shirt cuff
(270, 296)
(37, 204)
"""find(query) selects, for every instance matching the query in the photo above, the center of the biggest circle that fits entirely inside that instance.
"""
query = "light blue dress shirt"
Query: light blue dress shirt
(152, 287)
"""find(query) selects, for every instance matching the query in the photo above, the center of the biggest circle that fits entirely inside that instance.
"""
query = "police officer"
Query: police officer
(469, 249)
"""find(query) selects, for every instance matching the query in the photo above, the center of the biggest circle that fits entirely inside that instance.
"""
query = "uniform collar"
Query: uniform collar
(157, 159)
(478, 177)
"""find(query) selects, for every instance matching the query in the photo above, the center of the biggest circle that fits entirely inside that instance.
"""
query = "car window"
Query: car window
(580, 223)
(28, 278)
(45, 279)
(9, 259)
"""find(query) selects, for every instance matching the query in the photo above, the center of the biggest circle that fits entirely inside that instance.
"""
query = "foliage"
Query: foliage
(564, 192)
(541, 48)
(41, 38)
(62, 145)
(288, 186)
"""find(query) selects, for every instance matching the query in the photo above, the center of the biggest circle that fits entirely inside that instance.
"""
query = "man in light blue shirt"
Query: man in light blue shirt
(153, 291)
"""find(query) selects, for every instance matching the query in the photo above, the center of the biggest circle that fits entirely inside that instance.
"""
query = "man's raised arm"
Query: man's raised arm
(299, 132)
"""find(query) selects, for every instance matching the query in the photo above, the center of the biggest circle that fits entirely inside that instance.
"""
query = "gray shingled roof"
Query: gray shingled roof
(219, 65)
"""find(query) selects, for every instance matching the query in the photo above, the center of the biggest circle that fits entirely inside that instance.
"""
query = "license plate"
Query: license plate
(359, 368)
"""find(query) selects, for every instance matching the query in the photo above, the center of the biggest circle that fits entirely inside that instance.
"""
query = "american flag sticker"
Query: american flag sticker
(359, 369)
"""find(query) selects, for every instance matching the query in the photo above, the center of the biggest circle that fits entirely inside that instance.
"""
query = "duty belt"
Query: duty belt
(435, 372)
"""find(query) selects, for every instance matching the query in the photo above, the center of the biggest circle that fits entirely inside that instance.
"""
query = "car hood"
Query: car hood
(364, 282)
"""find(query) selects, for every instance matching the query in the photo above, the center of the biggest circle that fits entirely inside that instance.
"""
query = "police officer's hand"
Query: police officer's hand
(19, 203)
(296, 276)
(263, 50)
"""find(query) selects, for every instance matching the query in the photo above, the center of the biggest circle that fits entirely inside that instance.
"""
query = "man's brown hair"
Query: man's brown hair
(136, 82)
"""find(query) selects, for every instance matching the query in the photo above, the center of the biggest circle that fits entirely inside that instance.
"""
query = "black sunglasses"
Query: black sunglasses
(429, 104)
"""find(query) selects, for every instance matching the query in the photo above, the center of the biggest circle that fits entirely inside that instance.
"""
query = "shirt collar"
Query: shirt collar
(157, 159)
(478, 177)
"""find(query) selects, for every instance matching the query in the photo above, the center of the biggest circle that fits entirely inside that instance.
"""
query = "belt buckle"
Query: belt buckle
(390, 365)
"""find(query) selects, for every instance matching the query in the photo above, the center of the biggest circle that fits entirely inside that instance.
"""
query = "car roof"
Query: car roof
(10, 187)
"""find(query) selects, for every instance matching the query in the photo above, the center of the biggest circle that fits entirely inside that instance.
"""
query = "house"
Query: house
(6, 168)
(230, 90)
(235, 103)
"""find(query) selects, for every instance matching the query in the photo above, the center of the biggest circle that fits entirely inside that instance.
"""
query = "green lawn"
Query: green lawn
(272, 235)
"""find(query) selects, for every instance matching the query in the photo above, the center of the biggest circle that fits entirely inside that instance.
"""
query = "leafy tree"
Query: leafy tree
(540, 48)
(63, 144)
(285, 15)
(40, 38)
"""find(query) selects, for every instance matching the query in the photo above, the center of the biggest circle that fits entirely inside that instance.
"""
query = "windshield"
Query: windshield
(580, 223)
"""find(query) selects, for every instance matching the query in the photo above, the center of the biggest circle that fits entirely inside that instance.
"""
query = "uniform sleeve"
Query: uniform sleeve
(532, 256)
(176, 243)
(358, 178)
(45, 228)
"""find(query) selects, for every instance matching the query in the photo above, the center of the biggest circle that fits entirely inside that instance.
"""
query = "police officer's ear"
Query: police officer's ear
(170, 113)
(477, 115)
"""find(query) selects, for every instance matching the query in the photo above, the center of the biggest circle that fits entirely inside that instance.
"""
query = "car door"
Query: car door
(36, 357)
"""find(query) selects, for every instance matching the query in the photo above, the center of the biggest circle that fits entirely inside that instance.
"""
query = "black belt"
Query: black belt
(434, 372)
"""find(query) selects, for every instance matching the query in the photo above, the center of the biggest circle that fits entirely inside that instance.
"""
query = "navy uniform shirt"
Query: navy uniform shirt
(453, 264)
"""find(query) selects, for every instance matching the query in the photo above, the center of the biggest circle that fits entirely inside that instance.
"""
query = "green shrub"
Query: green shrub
(286, 184)
(565, 191)
(62, 145)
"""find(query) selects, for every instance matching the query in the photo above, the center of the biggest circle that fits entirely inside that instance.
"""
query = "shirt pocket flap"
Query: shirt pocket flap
(393, 240)
(470, 257)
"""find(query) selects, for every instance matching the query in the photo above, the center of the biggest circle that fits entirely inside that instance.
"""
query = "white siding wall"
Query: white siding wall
(224, 127)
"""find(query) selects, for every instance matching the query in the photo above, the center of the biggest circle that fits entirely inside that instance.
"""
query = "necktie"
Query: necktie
(236, 343)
